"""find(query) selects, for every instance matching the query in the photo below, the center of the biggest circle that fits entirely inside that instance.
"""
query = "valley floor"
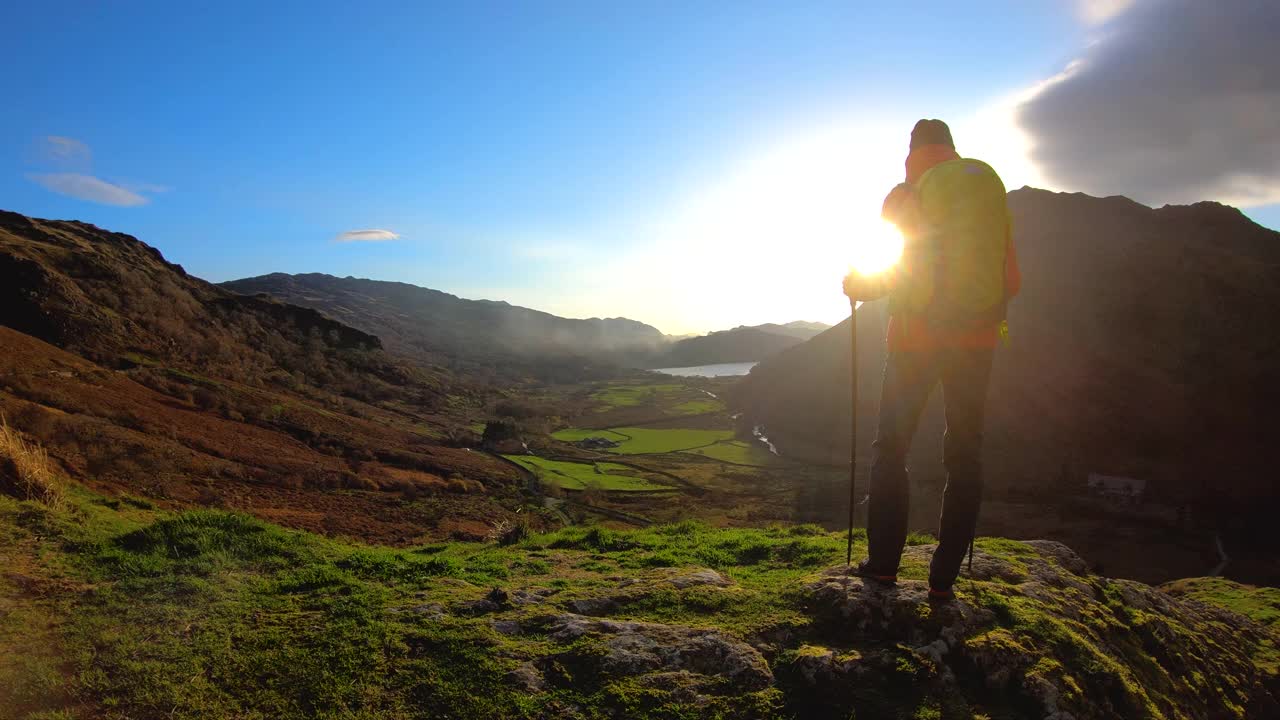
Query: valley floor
(682, 443)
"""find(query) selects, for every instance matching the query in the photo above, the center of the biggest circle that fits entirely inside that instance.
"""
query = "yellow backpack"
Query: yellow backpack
(957, 244)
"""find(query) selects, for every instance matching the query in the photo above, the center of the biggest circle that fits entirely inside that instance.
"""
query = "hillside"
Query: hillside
(119, 610)
(1144, 344)
(473, 336)
(726, 346)
(115, 300)
(741, 344)
(802, 329)
(142, 379)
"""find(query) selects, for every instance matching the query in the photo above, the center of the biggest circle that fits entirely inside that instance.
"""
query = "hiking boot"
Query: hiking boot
(865, 570)
(941, 597)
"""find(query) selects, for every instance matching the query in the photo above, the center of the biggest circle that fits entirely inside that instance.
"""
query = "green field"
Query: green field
(633, 395)
(576, 434)
(647, 441)
(577, 476)
(737, 452)
(698, 407)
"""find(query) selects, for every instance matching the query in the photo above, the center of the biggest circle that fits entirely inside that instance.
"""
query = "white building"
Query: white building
(1114, 487)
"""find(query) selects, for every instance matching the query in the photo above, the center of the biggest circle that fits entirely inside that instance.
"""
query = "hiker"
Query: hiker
(947, 300)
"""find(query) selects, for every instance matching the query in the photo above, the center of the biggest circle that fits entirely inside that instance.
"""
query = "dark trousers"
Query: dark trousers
(909, 378)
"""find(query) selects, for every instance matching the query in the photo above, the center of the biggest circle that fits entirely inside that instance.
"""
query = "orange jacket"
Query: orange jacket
(914, 334)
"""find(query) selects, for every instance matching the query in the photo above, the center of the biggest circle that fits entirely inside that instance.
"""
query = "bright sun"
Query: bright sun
(773, 239)
(769, 237)
(876, 248)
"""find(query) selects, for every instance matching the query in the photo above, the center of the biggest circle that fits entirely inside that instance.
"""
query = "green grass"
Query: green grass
(738, 452)
(666, 398)
(577, 476)
(576, 434)
(697, 407)
(215, 614)
(644, 441)
(634, 395)
(144, 613)
(1260, 603)
(650, 440)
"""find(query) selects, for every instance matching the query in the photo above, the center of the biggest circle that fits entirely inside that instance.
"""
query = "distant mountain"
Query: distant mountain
(798, 328)
(437, 328)
(741, 344)
(1145, 343)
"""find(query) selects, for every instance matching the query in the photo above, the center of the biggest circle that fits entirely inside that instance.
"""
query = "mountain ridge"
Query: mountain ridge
(435, 328)
(142, 378)
(740, 344)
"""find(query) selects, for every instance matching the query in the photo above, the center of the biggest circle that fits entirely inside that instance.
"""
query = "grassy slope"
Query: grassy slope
(1260, 603)
(213, 614)
(116, 609)
(577, 476)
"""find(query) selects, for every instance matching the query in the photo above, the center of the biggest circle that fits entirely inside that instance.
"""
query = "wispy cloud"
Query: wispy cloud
(1096, 12)
(371, 235)
(69, 151)
(73, 161)
(145, 187)
(88, 187)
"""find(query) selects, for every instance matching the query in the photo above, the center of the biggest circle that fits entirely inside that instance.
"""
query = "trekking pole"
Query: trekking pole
(853, 423)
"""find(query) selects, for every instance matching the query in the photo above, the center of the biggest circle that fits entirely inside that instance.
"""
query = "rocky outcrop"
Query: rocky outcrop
(693, 660)
(1036, 628)
(1032, 634)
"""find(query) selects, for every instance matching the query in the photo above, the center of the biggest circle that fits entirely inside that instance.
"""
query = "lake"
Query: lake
(720, 370)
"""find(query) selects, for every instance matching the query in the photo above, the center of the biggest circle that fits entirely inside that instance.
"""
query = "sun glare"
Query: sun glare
(771, 236)
(773, 239)
(876, 249)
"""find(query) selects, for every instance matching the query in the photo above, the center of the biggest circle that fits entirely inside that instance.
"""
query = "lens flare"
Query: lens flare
(876, 249)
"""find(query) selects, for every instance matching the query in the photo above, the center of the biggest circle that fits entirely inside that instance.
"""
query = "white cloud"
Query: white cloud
(88, 187)
(144, 187)
(66, 150)
(75, 177)
(371, 235)
(1177, 102)
(1096, 12)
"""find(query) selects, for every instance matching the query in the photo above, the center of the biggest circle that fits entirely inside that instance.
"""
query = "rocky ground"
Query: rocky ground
(1032, 635)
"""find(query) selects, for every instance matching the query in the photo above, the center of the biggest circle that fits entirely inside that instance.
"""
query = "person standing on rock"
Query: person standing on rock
(947, 301)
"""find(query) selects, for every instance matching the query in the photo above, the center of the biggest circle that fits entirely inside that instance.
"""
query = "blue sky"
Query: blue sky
(684, 164)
